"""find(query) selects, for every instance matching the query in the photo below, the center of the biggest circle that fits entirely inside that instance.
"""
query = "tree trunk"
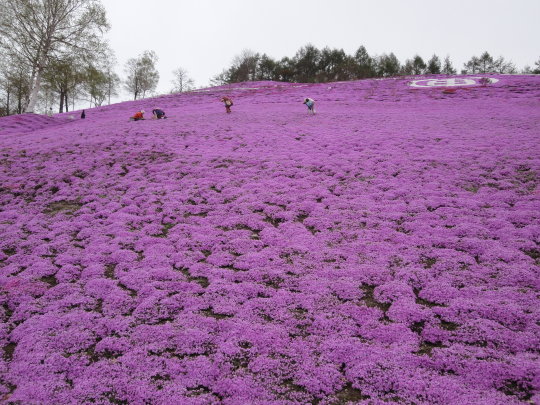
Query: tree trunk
(66, 99)
(8, 93)
(61, 109)
(35, 92)
(19, 100)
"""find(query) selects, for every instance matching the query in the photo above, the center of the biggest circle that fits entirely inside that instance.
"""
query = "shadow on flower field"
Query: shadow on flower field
(385, 250)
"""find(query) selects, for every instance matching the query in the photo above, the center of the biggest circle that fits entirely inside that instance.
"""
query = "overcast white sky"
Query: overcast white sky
(203, 36)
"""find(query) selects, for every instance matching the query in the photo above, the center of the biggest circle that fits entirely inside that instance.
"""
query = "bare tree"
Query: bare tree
(40, 31)
(113, 82)
(142, 74)
(501, 65)
(182, 82)
(220, 79)
(486, 64)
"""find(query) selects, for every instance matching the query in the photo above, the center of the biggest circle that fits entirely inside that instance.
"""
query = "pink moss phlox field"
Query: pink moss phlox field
(384, 250)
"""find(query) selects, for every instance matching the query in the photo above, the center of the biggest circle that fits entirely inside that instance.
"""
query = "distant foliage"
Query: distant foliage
(38, 33)
(181, 81)
(448, 68)
(365, 65)
(415, 66)
(536, 71)
(434, 65)
(485, 63)
(62, 78)
(387, 65)
(15, 86)
(312, 65)
(142, 75)
(53, 53)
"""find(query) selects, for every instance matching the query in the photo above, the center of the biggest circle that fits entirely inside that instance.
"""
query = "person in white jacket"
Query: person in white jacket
(310, 103)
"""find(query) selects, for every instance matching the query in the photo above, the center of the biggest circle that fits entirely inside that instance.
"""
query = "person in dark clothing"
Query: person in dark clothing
(158, 114)
(83, 115)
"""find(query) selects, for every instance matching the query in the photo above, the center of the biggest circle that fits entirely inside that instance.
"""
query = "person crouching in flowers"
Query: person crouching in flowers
(158, 114)
(228, 103)
(310, 103)
(139, 115)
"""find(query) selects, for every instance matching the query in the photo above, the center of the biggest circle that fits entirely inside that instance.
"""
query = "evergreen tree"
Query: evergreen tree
(448, 68)
(364, 64)
(536, 69)
(485, 63)
(472, 66)
(419, 66)
(434, 65)
(407, 69)
(333, 65)
(306, 63)
(285, 70)
(267, 68)
(244, 67)
(387, 65)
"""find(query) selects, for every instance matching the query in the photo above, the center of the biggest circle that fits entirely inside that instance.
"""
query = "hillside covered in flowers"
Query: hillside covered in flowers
(384, 250)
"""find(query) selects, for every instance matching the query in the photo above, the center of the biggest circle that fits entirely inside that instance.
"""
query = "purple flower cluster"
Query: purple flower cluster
(385, 250)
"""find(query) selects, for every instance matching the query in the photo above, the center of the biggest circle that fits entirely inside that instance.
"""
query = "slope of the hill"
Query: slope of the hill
(18, 124)
(383, 250)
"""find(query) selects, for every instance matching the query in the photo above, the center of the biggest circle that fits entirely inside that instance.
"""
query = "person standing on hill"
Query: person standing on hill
(228, 104)
(83, 115)
(310, 103)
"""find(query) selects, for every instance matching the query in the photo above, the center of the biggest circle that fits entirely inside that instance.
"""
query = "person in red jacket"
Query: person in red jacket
(228, 103)
(139, 115)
